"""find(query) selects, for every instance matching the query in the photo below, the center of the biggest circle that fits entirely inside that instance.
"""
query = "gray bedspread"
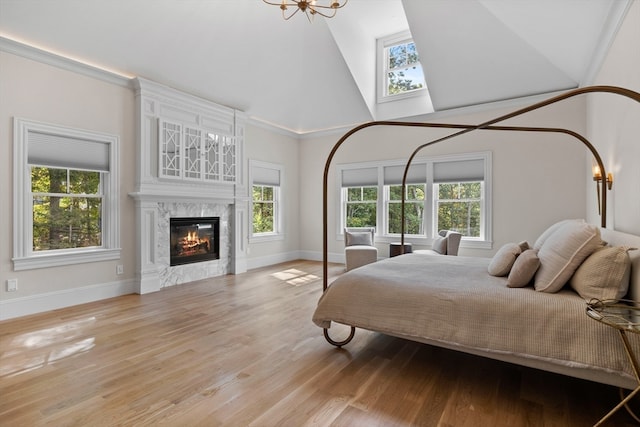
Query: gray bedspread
(454, 301)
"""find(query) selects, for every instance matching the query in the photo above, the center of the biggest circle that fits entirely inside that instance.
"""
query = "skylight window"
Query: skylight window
(401, 74)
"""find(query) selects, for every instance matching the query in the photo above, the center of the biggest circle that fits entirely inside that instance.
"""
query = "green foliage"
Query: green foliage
(404, 69)
(459, 207)
(67, 208)
(263, 209)
(414, 209)
(361, 206)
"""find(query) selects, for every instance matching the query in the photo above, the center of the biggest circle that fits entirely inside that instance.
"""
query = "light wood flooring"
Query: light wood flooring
(242, 351)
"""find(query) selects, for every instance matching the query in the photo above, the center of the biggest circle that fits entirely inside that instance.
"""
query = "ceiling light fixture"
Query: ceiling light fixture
(309, 7)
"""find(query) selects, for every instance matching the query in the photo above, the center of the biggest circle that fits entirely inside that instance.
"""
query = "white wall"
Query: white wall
(537, 178)
(272, 147)
(614, 125)
(36, 91)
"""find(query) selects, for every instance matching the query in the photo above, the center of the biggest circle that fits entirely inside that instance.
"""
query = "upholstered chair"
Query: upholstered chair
(446, 243)
(359, 249)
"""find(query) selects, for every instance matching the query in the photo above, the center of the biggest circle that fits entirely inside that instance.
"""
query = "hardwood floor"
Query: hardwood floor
(242, 351)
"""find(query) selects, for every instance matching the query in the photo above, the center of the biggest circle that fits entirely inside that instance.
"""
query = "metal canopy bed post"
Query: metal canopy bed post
(463, 129)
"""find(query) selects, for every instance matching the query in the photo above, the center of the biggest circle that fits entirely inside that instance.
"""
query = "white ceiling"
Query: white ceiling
(306, 77)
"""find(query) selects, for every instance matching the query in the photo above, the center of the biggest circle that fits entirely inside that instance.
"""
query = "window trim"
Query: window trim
(23, 256)
(381, 226)
(382, 44)
(278, 234)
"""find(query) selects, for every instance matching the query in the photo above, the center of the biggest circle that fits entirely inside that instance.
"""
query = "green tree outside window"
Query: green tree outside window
(67, 208)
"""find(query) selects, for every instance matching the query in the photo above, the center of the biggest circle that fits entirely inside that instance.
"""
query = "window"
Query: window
(413, 208)
(264, 209)
(449, 192)
(67, 208)
(401, 71)
(66, 196)
(459, 207)
(266, 206)
(360, 206)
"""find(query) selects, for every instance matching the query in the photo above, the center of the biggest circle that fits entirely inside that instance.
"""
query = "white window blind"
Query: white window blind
(458, 171)
(362, 177)
(417, 174)
(58, 151)
(265, 176)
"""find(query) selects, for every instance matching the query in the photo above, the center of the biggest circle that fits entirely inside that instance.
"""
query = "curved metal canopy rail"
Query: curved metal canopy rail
(463, 129)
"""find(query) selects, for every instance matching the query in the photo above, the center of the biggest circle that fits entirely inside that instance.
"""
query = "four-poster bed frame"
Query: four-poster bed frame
(461, 130)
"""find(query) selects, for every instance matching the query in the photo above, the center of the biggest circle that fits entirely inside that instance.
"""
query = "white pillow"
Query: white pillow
(503, 260)
(563, 251)
(549, 231)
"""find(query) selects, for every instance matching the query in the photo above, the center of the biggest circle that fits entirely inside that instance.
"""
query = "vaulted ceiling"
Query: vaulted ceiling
(307, 76)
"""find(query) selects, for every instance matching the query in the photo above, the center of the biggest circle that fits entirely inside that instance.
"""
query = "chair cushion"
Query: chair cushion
(440, 245)
(358, 238)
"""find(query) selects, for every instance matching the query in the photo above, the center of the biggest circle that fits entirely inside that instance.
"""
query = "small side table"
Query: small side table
(395, 249)
(624, 316)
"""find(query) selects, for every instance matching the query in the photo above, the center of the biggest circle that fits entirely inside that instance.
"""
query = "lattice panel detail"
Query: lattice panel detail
(171, 147)
(192, 153)
(192, 158)
(228, 159)
(212, 157)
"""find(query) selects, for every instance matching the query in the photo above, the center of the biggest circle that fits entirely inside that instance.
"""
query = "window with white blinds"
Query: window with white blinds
(266, 202)
(447, 191)
(66, 198)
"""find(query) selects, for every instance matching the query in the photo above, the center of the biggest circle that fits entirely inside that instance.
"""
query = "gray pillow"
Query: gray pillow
(358, 238)
(523, 269)
(440, 245)
(503, 260)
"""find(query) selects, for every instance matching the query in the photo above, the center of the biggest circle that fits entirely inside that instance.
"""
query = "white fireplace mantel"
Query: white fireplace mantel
(159, 198)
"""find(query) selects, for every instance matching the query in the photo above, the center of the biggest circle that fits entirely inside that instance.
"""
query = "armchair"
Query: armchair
(359, 249)
(447, 243)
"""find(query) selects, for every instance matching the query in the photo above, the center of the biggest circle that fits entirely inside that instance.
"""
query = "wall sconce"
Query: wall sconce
(597, 177)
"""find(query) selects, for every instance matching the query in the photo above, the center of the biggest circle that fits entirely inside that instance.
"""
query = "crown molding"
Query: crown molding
(43, 56)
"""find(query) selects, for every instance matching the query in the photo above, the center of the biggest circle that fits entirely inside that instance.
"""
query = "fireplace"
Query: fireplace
(194, 240)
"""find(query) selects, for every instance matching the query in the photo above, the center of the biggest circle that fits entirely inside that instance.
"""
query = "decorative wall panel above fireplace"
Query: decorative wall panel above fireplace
(191, 153)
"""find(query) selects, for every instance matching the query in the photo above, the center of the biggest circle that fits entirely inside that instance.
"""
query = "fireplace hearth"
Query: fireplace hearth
(194, 240)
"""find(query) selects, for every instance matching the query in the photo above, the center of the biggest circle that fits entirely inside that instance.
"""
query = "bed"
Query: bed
(454, 302)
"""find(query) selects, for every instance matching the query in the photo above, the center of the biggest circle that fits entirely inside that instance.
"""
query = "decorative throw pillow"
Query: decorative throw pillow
(440, 245)
(562, 252)
(549, 231)
(604, 274)
(503, 260)
(523, 269)
(358, 238)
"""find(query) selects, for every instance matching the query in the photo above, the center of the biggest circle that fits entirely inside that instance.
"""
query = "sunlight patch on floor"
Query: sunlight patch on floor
(295, 277)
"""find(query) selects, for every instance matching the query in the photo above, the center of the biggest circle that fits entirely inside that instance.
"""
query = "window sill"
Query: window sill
(66, 258)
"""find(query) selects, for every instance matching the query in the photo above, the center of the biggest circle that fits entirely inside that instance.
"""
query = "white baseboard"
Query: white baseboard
(317, 256)
(40, 303)
(265, 261)
(24, 306)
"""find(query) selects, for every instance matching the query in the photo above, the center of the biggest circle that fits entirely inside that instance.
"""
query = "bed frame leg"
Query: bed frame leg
(338, 343)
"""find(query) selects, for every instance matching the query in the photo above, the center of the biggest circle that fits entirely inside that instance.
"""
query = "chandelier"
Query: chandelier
(309, 7)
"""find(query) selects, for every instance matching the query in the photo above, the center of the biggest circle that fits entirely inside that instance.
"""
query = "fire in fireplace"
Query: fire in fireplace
(194, 240)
